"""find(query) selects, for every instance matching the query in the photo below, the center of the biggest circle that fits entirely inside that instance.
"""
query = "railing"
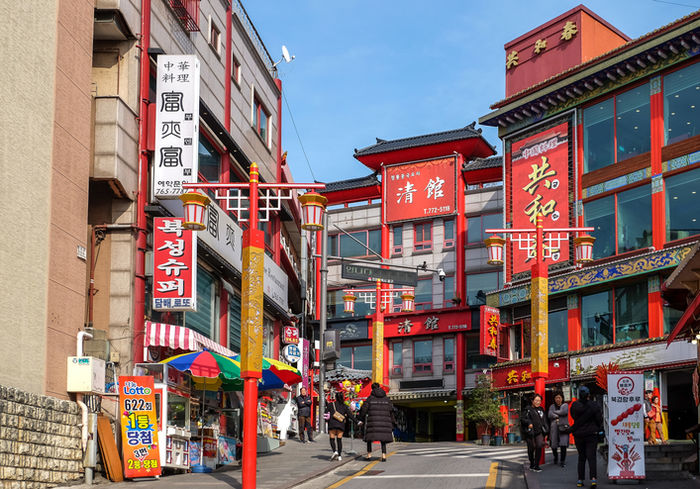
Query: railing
(254, 36)
(187, 12)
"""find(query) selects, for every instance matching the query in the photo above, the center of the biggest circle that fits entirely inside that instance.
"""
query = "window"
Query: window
(617, 128)
(600, 214)
(359, 357)
(671, 317)
(423, 356)
(423, 236)
(449, 227)
(266, 228)
(236, 70)
(397, 358)
(558, 331)
(601, 324)
(234, 322)
(209, 160)
(355, 244)
(448, 364)
(204, 318)
(214, 36)
(480, 283)
(474, 359)
(682, 211)
(596, 319)
(397, 237)
(477, 224)
(448, 291)
(336, 308)
(681, 96)
(424, 294)
(261, 121)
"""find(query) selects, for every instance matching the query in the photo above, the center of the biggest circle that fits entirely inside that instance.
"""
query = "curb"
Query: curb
(531, 481)
(313, 475)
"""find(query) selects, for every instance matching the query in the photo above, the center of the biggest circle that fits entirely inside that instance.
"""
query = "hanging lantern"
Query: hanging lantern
(584, 248)
(313, 205)
(195, 204)
(407, 302)
(349, 301)
(494, 245)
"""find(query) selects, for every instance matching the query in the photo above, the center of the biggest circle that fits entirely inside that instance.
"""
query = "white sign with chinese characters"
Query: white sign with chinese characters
(175, 160)
(223, 235)
(276, 283)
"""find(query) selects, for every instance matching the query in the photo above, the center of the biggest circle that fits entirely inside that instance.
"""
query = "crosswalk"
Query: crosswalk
(504, 453)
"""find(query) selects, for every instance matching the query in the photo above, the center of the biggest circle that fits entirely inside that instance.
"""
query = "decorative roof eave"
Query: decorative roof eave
(686, 271)
(420, 395)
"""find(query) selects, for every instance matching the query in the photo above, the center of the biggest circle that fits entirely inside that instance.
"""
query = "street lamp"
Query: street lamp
(252, 282)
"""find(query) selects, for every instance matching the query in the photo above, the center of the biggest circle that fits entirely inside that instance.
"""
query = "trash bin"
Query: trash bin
(511, 438)
(498, 440)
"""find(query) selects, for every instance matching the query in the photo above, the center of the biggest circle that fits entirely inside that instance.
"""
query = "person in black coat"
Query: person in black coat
(380, 420)
(336, 427)
(588, 421)
(535, 426)
(303, 402)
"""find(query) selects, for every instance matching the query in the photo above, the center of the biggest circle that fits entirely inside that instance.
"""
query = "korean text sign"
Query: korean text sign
(420, 190)
(489, 324)
(137, 405)
(175, 160)
(174, 265)
(291, 334)
(540, 184)
(626, 425)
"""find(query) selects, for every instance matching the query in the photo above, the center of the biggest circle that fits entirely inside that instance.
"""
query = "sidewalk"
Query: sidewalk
(285, 467)
(554, 477)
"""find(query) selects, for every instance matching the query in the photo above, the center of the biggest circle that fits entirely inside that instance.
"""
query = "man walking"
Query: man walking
(303, 401)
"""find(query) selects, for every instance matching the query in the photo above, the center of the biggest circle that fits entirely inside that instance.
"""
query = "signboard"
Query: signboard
(626, 425)
(540, 184)
(175, 160)
(291, 334)
(372, 274)
(223, 236)
(303, 363)
(489, 324)
(350, 330)
(137, 405)
(174, 265)
(422, 324)
(292, 353)
(275, 283)
(420, 190)
(518, 376)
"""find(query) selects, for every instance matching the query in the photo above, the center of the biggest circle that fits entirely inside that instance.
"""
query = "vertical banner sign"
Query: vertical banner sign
(490, 320)
(420, 190)
(291, 335)
(539, 327)
(177, 125)
(540, 184)
(137, 404)
(174, 265)
(626, 425)
(303, 363)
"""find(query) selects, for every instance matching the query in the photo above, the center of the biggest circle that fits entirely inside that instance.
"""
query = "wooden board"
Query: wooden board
(108, 449)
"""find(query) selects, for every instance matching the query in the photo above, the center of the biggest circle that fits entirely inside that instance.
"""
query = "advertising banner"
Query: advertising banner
(423, 324)
(174, 265)
(420, 190)
(517, 376)
(540, 184)
(137, 402)
(291, 335)
(175, 159)
(303, 363)
(626, 425)
(489, 324)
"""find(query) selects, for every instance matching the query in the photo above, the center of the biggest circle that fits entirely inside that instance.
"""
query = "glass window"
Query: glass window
(397, 236)
(346, 356)
(681, 97)
(234, 322)
(396, 358)
(367, 239)
(682, 210)
(209, 160)
(423, 355)
(491, 221)
(671, 317)
(477, 225)
(633, 219)
(558, 331)
(374, 240)
(424, 294)
(474, 229)
(474, 360)
(600, 214)
(480, 283)
(336, 307)
(598, 135)
(423, 236)
(202, 319)
(631, 312)
(449, 239)
(333, 244)
(448, 291)
(449, 352)
(633, 122)
(362, 357)
(596, 319)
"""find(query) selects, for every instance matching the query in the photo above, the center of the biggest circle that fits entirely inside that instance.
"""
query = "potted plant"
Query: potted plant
(483, 408)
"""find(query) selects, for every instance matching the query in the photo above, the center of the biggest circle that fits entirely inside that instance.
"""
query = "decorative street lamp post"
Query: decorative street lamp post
(381, 298)
(253, 270)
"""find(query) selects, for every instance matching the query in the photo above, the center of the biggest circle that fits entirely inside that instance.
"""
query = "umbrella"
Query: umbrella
(275, 374)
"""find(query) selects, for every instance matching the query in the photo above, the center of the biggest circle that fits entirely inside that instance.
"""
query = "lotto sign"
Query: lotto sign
(420, 190)
(540, 184)
(174, 265)
(490, 320)
(626, 425)
(137, 404)
(175, 160)
(291, 335)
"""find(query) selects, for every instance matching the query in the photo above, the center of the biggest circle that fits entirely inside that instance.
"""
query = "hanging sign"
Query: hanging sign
(292, 353)
(303, 363)
(137, 405)
(174, 266)
(520, 375)
(626, 425)
(175, 160)
(489, 324)
(291, 335)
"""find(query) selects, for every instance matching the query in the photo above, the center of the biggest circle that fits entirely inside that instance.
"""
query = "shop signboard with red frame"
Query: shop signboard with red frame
(540, 184)
(137, 405)
(420, 190)
(489, 330)
(291, 335)
(174, 265)
(426, 324)
(518, 376)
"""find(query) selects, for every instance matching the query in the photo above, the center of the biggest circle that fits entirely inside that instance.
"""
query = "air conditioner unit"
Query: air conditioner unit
(86, 374)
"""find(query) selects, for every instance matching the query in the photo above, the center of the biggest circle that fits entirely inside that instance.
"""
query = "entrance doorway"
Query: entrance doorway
(444, 426)
(682, 413)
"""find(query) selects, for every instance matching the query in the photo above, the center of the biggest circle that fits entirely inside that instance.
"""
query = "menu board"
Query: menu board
(137, 404)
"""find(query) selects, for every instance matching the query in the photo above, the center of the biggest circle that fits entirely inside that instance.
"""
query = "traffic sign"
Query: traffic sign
(371, 274)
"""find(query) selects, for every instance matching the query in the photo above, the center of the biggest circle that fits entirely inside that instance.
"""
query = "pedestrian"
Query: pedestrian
(588, 422)
(535, 426)
(303, 402)
(379, 424)
(558, 415)
(338, 416)
(656, 423)
(649, 434)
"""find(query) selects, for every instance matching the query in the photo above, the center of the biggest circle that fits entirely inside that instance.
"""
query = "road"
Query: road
(431, 465)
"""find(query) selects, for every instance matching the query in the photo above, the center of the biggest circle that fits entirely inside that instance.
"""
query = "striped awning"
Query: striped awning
(180, 337)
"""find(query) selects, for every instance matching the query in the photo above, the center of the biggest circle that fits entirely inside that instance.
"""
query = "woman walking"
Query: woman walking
(588, 421)
(338, 416)
(558, 421)
(380, 420)
(535, 427)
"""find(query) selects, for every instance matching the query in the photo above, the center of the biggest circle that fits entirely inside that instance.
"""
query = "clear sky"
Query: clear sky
(400, 68)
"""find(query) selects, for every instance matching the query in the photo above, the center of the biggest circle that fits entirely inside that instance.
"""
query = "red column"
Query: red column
(223, 318)
(461, 291)
(656, 308)
(579, 171)
(385, 367)
(658, 197)
(460, 344)
(276, 328)
(276, 221)
(574, 322)
(317, 287)
(508, 210)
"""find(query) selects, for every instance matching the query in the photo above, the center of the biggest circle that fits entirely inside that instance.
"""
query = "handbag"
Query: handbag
(564, 428)
(337, 416)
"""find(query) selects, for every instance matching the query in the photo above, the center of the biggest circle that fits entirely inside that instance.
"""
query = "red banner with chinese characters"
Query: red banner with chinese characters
(516, 376)
(489, 326)
(540, 184)
(137, 402)
(420, 190)
(174, 265)
(422, 324)
(291, 335)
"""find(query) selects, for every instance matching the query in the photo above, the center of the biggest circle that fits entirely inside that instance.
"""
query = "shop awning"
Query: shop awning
(180, 338)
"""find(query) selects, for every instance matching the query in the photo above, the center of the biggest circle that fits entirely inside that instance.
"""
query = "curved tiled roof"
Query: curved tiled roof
(481, 163)
(366, 181)
(341, 372)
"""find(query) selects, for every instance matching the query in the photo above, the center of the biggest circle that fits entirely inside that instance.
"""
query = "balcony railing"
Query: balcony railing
(187, 12)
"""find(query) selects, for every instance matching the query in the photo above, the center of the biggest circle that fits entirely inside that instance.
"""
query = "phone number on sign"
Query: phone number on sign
(437, 210)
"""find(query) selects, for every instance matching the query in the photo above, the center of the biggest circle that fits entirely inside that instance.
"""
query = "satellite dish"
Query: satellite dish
(285, 54)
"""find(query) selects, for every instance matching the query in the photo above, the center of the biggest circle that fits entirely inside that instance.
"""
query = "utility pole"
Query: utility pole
(322, 325)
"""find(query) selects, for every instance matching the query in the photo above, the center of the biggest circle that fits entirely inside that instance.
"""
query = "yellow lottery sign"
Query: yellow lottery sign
(137, 402)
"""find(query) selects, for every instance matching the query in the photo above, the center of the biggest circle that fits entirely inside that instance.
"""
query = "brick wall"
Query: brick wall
(39, 440)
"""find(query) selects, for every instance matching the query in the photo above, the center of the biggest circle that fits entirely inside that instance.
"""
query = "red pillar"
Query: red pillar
(385, 367)
(658, 195)
(223, 318)
(656, 308)
(508, 211)
(276, 327)
(461, 291)
(461, 353)
(574, 322)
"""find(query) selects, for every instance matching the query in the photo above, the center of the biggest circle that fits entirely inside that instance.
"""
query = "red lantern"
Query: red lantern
(584, 248)
(494, 245)
(195, 204)
(313, 205)
(349, 302)
(408, 301)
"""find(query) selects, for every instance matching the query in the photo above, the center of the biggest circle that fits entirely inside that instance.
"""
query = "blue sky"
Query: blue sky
(401, 68)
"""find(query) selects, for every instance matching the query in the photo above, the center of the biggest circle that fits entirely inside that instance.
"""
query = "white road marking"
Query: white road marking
(418, 476)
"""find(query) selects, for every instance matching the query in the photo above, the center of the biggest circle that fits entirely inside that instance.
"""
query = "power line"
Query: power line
(679, 4)
(298, 137)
